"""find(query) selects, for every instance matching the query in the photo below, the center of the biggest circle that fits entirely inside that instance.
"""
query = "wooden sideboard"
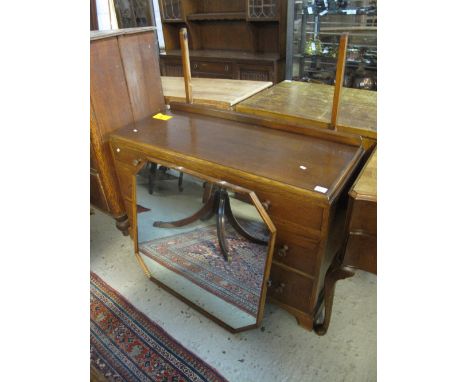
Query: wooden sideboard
(125, 87)
(232, 39)
(359, 249)
(302, 180)
(225, 64)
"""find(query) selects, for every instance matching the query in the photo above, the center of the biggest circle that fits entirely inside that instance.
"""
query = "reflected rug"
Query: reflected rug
(127, 346)
(196, 255)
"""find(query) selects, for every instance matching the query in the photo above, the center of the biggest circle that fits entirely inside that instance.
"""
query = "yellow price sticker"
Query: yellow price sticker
(161, 116)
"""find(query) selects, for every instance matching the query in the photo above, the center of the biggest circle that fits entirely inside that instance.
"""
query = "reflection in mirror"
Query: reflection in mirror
(205, 241)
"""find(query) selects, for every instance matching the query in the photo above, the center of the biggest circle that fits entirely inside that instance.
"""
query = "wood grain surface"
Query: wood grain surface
(308, 103)
(220, 93)
(271, 154)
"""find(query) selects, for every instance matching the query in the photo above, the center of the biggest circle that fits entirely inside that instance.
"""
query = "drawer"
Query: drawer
(361, 252)
(290, 288)
(364, 217)
(290, 212)
(297, 251)
(222, 68)
(126, 155)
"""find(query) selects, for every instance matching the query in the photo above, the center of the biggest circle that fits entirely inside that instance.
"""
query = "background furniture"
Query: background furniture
(302, 180)
(134, 13)
(236, 39)
(214, 92)
(314, 29)
(359, 250)
(308, 104)
(125, 87)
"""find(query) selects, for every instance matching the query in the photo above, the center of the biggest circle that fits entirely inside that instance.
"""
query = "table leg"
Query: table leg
(336, 272)
(221, 225)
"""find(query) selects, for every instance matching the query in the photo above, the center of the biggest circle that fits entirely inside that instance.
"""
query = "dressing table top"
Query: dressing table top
(296, 160)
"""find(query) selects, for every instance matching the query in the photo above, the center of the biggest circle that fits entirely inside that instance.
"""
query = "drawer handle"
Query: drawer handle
(136, 162)
(226, 68)
(195, 66)
(282, 252)
(266, 205)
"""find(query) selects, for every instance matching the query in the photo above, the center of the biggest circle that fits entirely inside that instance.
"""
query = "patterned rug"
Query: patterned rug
(196, 255)
(127, 346)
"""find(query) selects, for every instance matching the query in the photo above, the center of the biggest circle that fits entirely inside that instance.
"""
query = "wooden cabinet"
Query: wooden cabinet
(125, 87)
(282, 168)
(238, 39)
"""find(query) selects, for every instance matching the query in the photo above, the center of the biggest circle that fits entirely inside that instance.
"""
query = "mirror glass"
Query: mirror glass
(206, 240)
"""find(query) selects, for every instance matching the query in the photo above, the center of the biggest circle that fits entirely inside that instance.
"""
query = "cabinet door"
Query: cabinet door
(264, 10)
(171, 10)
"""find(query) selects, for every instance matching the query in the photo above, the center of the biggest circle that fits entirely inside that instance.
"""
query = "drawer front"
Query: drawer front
(364, 217)
(289, 212)
(201, 67)
(297, 252)
(361, 252)
(127, 156)
(290, 288)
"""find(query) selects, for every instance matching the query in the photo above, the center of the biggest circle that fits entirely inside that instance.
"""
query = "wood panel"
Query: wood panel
(125, 84)
(220, 93)
(109, 93)
(311, 104)
(139, 56)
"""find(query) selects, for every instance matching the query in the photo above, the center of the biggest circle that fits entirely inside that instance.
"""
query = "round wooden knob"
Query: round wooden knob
(195, 66)
(136, 162)
(266, 205)
(283, 250)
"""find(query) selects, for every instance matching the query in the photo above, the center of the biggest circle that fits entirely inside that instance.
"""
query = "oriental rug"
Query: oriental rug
(127, 346)
(196, 255)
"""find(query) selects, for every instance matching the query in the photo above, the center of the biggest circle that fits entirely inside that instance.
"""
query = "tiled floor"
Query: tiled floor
(280, 351)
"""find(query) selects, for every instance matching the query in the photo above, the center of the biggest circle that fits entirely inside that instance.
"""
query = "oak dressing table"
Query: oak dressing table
(300, 180)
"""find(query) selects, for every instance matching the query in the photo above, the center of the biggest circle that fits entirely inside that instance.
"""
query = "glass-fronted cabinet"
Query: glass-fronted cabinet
(316, 27)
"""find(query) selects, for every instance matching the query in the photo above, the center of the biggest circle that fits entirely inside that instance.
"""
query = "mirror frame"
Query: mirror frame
(263, 214)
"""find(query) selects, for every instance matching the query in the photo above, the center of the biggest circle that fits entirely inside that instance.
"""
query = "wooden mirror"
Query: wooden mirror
(206, 241)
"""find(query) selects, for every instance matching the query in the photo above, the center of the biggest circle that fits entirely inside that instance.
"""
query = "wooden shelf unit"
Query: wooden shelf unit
(240, 41)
